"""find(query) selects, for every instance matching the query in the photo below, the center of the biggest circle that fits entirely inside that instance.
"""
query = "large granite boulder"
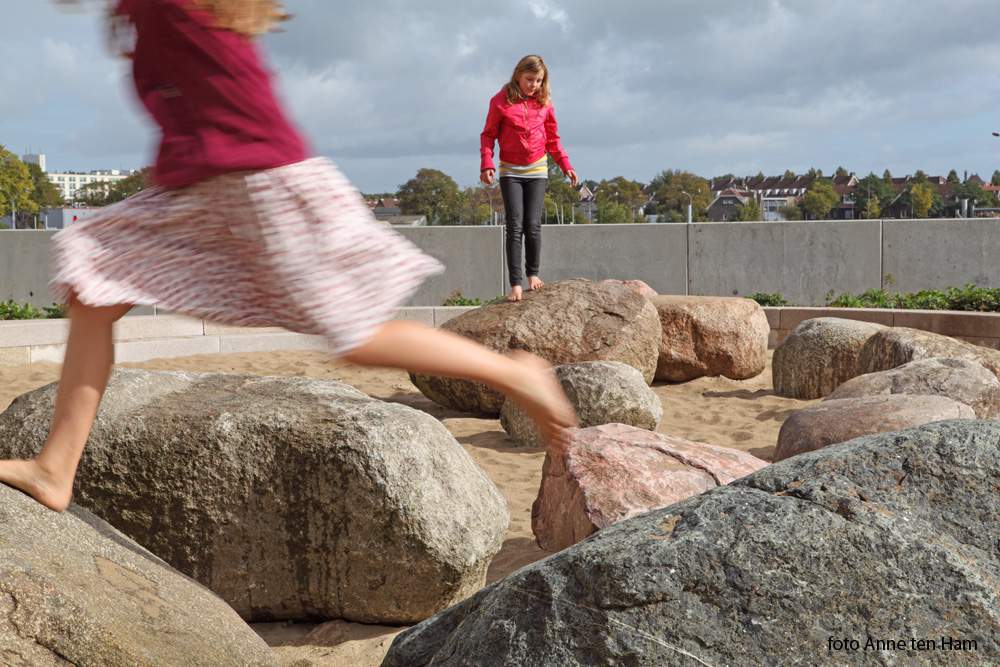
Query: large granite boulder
(74, 591)
(568, 321)
(637, 286)
(900, 345)
(602, 392)
(959, 379)
(614, 472)
(710, 336)
(832, 421)
(289, 497)
(891, 537)
(819, 355)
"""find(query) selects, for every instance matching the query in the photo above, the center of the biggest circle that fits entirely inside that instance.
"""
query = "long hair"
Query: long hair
(535, 65)
(247, 17)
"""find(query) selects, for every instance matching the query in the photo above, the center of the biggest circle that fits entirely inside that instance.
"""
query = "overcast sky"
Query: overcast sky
(384, 87)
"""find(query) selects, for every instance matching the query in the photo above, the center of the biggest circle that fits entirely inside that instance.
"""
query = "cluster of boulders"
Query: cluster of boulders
(668, 338)
(874, 379)
(288, 498)
(884, 537)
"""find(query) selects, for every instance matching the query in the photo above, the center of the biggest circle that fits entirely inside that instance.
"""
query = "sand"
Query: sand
(744, 415)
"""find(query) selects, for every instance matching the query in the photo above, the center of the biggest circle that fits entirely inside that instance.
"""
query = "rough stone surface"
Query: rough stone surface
(900, 345)
(889, 536)
(603, 392)
(565, 322)
(291, 498)
(637, 286)
(74, 591)
(833, 421)
(819, 355)
(959, 379)
(614, 472)
(710, 336)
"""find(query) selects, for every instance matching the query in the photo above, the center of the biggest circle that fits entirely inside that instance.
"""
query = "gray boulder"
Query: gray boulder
(833, 421)
(900, 345)
(289, 497)
(602, 392)
(889, 537)
(565, 322)
(74, 591)
(959, 379)
(819, 355)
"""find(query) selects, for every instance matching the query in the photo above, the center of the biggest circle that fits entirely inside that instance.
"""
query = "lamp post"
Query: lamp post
(690, 201)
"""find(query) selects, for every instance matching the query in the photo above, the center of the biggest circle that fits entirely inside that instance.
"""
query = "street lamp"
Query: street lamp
(690, 200)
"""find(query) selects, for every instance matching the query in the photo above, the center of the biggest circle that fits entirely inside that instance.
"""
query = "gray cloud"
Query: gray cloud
(385, 87)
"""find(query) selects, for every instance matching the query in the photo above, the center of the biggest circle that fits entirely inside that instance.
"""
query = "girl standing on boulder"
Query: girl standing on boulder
(241, 227)
(522, 118)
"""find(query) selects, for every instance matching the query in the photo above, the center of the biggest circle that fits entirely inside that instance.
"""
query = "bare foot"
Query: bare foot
(40, 484)
(515, 293)
(539, 392)
(534, 282)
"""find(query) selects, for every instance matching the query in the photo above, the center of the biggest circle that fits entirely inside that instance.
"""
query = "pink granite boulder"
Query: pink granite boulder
(613, 472)
(838, 420)
(708, 336)
(637, 286)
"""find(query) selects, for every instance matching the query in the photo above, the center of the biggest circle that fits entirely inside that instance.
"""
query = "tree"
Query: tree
(996, 178)
(612, 213)
(477, 203)
(871, 187)
(623, 192)
(562, 195)
(873, 209)
(102, 193)
(44, 192)
(16, 185)
(841, 173)
(953, 177)
(749, 211)
(819, 200)
(431, 193)
(814, 173)
(788, 174)
(791, 212)
(887, 176)
(669, 199)
(921, 199)
(919, 176)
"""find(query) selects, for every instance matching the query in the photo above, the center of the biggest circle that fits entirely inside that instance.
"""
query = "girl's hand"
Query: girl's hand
(487, 175)
(571, 175)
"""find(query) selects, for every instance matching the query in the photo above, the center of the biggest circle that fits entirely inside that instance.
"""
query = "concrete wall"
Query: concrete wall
(801, 260)
(656, 254)
(473, 258)
(934, 254)
(24, 266)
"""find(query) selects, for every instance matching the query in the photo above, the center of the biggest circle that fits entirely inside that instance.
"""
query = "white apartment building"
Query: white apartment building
(69, 182)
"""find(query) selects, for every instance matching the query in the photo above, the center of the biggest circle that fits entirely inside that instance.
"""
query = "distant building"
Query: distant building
(386, 207)
(69, 182)
(726, 205)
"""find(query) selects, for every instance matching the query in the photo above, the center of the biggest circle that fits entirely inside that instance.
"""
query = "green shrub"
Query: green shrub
(11, 310)
(765, 299)
(456, 299)
(969, 298)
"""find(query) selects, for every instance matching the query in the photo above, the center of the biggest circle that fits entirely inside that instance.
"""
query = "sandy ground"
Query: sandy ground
(743, 414)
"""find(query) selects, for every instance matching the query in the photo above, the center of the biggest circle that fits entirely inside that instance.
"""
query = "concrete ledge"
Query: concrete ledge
(271, 342)
(791, 317)
(149, 337)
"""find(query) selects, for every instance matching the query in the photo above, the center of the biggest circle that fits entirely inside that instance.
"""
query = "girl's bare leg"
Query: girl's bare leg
(48, 477)
(522, 376)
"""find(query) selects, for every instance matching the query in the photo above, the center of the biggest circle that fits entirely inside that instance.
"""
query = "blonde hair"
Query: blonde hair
(246, 17)
(533, 64)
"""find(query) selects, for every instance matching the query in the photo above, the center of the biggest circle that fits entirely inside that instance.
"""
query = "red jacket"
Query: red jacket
(526, 130)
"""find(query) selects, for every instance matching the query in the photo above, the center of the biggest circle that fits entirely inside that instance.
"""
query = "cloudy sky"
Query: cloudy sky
(385, 87)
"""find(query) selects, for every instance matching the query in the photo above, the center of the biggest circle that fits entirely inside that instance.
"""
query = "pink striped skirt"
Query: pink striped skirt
(293, 247)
